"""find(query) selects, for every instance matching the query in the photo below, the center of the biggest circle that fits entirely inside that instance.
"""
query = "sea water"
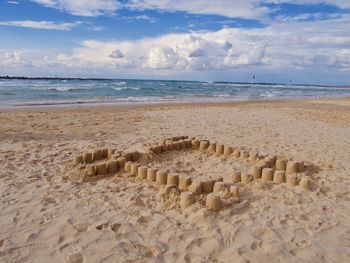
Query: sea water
(36, 92)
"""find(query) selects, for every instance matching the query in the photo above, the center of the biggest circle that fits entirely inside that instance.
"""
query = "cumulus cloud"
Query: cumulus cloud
(116, 54)
(49, 25)
(16, 58)
(253, 56)
(193, 51)
(162, 58)
(288, 45)
(197, 53)
(10, 58)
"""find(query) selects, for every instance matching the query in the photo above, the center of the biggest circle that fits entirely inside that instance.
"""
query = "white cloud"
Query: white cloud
(49, 25)
(116, 54)
(339, 3)
(253, 9)
(139, 18)
(228, 8)
(282, 45)
(12, 58)
(82, 7)
(12, 2)
(195, 51)
(96, 28)
(162, 58)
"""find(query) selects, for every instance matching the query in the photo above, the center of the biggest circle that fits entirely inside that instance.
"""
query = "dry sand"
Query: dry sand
(46, 219)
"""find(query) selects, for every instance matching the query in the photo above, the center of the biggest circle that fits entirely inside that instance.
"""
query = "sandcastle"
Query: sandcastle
(101, 163)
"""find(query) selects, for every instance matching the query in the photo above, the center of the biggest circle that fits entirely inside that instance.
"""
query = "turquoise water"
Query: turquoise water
(15, 92)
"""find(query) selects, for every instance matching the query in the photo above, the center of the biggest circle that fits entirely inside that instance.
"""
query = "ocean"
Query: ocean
(36, 92)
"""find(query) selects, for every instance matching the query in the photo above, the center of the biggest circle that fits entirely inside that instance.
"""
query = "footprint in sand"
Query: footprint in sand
(24, 251)
(71, 253)
(102, 226)
(115, 227)
(75, 258)
(81, 227)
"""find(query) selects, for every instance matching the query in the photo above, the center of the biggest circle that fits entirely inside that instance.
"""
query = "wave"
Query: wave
(59, 88)
(97, 100)
(120, 83)
(87, 85)
(131, 91)
(64, 88)
(119, 88)
(125, 88)
(223, 95)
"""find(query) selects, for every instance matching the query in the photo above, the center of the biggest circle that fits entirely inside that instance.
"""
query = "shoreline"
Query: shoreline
(175, 104)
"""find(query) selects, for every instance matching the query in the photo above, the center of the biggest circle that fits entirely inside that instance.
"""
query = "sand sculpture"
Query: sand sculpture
(102, 163)
(173, 179)
(213, 202)
(256, 171)
(246, 178)
(236, 177)
(267, 174)
(151, 174)
(196, 187)
(184, 183)
(227, 150)
(187, 199)
(161, 177)
(142, 172)
(279, 177)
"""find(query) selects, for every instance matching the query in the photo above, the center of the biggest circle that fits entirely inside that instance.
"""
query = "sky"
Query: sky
(304, 41)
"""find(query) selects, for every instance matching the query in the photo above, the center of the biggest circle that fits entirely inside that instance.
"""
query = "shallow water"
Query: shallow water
(16, 92)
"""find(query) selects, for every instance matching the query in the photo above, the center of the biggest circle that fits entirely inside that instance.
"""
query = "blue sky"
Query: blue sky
(307, 41)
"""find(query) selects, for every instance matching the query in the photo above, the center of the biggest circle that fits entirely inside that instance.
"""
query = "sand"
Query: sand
(127, 219)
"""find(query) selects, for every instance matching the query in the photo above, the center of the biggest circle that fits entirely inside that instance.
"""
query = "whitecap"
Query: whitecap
(63, 88)
(120, 83)
(119, 88)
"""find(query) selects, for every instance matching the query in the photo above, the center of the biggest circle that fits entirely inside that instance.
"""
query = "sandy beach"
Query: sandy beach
(45, 218)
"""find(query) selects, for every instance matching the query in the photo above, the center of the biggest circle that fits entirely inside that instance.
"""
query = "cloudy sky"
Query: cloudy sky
(307, 41)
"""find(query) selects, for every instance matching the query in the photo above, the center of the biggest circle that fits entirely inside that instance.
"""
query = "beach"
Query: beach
(119, 219)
